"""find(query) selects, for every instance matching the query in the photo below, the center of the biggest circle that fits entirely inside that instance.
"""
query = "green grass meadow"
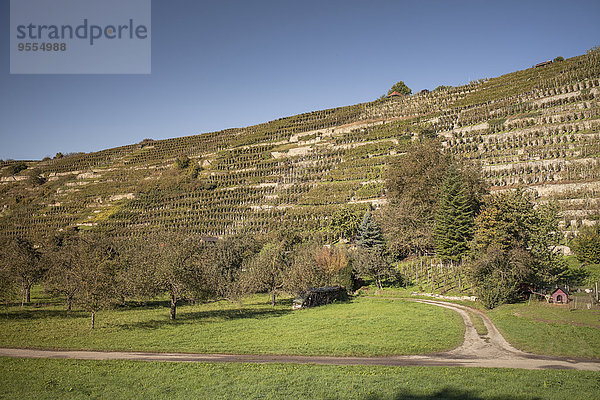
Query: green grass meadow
(548, 329)
(536, 327)
(361, 327)
(72, 379)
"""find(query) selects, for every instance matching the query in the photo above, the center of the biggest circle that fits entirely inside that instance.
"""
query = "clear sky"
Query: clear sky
(224, 63)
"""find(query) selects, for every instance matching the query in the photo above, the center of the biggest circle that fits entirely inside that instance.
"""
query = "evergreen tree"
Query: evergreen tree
(371, 259)
(454, 219)
(369, 235)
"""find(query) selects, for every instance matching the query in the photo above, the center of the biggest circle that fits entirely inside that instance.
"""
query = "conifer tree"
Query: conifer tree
(454, 219)
(371, 258)
(369, 235)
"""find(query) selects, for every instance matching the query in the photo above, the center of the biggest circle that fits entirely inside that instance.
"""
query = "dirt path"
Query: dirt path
(491, 351)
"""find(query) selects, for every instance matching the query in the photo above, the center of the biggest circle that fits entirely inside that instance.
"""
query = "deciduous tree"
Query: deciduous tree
(167, 263)
(586, 244)
(513, 247)
(22, 260)
(401, 88)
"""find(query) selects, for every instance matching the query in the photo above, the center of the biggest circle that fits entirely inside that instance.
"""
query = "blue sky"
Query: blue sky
(224, 63)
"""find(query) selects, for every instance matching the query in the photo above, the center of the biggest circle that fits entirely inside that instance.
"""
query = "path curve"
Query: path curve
(490, 351)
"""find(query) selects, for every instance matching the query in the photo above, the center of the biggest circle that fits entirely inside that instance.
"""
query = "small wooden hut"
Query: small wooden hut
(560, 296)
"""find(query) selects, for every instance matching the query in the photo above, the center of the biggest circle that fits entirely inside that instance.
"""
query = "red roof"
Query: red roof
(394, 94)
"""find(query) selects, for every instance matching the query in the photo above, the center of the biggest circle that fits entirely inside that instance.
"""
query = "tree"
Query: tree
(224, 263)
(559, 59)
(373, 263)
(332, 260)
(61, 257)
(499, 275)
(508, 220)
(369, 234)
(454, 218)
(586, 244)
(8, 285)
(513, 247)
(93, 269)
(267, 270)
(22, 260)
(166, 264)
(401, 88)
(344, 223)
(303, 272)
(413, 184)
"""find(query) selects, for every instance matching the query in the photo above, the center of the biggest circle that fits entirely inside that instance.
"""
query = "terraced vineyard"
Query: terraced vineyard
(539, 127)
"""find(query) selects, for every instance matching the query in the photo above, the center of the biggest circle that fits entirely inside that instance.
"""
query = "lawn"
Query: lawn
(536, 327)
(548, 329)
(362, 326)
(72, 379)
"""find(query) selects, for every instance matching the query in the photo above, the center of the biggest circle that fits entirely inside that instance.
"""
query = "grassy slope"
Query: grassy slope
(70, 379)
(546, 329)
(361, 327)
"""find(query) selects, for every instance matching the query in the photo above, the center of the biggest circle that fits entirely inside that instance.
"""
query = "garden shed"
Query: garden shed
(560, 296)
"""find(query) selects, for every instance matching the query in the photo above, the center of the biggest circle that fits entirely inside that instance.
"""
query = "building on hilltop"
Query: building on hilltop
(395, 94)
(542, 64)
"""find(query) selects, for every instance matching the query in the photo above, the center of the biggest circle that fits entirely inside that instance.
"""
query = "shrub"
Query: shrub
(16, 168)
(182, 162)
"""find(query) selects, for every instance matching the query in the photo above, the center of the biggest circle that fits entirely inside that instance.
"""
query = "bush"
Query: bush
(192, 170)
(499, 275)
(558, 59)
(35, 178)
(182, 162)
(16, 168)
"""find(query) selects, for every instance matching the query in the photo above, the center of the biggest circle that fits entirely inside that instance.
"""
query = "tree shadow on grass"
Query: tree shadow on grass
(30, 314)
(207, 316)
(448, 393)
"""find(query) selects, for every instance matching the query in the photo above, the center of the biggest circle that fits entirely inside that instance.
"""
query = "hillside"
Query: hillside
(538, 127)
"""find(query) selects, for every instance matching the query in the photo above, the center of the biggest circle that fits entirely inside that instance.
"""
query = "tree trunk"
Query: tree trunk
(28, 294)
(173, 306)
(93, 319)
(273, 298)
(69, 301)
(22, 294)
